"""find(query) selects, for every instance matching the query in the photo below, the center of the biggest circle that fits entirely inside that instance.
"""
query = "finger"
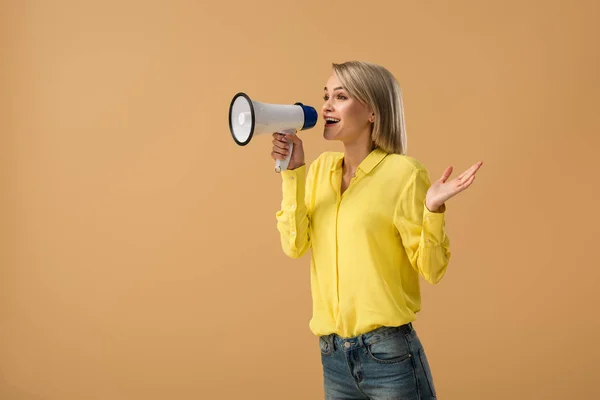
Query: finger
(447, 174)
(473, 167)
(281, 151)
(292, 138)
(279, 137)
(468, 173)
(276, 155)
(280, 145)
(467, 182)
(465, 173)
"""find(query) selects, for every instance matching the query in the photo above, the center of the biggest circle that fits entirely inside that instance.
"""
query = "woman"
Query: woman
(374, 223)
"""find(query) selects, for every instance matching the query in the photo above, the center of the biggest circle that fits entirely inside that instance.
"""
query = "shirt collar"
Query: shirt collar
(367, 165)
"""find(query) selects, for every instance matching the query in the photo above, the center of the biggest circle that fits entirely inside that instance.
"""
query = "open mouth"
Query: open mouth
(331, 121)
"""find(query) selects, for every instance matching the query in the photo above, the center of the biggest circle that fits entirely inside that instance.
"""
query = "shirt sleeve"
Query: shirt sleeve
(423, 232)
(293, 218)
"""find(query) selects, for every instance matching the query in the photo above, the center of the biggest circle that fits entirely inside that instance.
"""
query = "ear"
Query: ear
(372, 118)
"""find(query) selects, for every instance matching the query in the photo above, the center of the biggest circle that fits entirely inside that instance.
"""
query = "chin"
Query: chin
(331, 134)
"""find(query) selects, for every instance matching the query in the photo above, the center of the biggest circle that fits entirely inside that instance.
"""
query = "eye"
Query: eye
(340, 97)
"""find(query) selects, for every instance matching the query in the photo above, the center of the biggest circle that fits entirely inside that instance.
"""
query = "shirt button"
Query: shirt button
(293, 233)
(347, 344)
(293, 207)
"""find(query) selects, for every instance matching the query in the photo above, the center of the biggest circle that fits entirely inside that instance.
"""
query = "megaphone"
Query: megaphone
(248, 118)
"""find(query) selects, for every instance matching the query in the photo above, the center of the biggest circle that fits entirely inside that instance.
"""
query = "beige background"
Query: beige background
(139, 252)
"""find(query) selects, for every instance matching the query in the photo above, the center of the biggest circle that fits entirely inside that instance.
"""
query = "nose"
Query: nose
(327, 106)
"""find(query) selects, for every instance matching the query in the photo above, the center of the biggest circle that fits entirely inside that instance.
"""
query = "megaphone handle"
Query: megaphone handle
(281, 165)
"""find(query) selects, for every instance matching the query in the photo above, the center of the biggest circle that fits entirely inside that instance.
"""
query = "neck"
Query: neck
(354, 154)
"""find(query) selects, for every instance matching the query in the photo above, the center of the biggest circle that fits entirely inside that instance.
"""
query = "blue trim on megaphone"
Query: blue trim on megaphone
(310, 116)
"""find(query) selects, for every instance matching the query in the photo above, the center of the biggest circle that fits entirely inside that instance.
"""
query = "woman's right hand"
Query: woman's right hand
(281, 149)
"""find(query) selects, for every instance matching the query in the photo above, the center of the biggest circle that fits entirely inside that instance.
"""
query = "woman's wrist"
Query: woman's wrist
(435, 208)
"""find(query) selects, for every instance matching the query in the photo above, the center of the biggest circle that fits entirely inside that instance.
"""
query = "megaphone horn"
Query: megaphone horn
(248, 118)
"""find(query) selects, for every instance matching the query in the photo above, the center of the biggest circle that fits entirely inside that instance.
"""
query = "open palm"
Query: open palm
(442, 190)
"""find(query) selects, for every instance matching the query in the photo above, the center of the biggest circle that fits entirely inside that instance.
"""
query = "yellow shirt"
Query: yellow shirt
(368, 245)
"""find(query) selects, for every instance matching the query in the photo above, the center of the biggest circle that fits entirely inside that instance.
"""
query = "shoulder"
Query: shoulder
(405, 172)
(326, 159)
(406, 165)
(329, 157)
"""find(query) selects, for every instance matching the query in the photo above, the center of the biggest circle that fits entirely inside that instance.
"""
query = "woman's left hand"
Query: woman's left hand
(441, 190)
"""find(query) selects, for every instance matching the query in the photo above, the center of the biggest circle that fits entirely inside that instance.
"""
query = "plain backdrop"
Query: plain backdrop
(139, 256)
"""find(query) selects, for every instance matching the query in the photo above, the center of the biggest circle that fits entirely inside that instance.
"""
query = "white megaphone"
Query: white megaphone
(248, 118)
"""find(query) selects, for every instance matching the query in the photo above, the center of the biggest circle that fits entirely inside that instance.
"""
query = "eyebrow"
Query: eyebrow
(337, 88)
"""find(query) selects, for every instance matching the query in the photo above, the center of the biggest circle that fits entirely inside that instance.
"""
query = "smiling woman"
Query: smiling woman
(356, 94)
(366, 292)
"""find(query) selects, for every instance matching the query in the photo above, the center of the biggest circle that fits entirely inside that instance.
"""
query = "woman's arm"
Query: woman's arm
(422, 231)
(293, 219)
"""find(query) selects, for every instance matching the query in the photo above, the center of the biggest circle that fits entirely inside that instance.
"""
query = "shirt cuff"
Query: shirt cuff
(434, 226)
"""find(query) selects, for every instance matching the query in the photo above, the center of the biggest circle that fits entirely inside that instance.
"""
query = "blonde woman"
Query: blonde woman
(374, 223)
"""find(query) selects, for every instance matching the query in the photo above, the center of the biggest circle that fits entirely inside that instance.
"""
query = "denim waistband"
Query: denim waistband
(368, 338)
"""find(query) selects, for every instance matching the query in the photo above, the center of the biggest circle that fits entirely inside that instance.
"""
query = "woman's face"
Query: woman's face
(346, 118)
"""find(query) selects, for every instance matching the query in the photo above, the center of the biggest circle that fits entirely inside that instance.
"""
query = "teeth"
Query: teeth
(332, 120)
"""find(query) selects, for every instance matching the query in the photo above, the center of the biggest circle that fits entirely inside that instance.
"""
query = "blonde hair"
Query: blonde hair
(376, 87)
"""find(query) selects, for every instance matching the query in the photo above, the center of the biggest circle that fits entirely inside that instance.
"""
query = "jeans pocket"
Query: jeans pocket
(325, 346)
(390, 350)
(426, 370)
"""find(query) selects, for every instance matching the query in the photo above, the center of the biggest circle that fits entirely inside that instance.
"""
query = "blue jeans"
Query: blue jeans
(388, 363)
